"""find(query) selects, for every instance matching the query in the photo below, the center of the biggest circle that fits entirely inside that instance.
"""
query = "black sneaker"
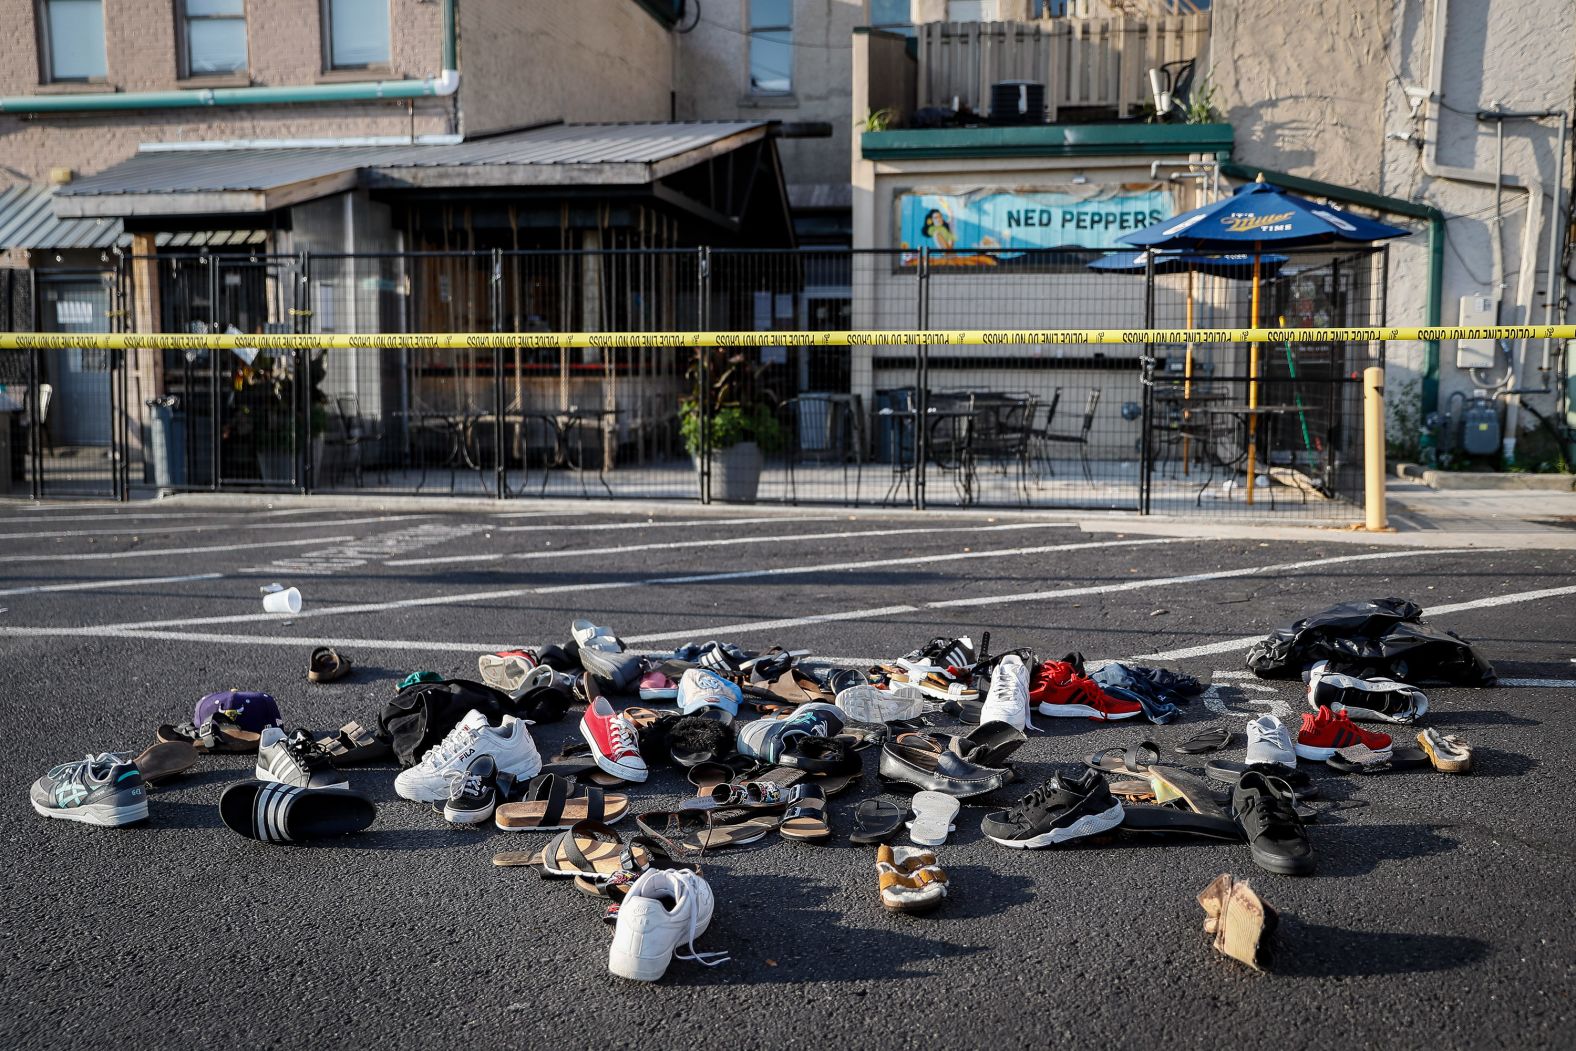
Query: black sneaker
(1264, 807)
(1066, 807)
(297, 759)
(474, 794)
(104, 789)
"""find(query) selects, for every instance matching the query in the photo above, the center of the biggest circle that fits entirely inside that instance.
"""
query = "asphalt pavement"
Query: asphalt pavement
(1441, 915)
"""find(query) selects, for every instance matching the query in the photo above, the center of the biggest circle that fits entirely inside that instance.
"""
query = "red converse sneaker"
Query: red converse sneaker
(1325, 731)
(1061, 690)
(614, 744)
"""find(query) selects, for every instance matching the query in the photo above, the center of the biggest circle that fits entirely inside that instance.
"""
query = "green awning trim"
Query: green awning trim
(1048, 140)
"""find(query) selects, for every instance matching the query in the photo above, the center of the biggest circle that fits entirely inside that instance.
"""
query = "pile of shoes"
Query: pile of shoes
(770, 740)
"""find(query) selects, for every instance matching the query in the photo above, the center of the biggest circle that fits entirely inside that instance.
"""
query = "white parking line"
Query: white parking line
(173, 513)
(260, 640)
(610, 585)
(732, 541)
(176, 551)
(1244, 641)
(91, 585)
(158, 530)
(661, 523)
(711, 631)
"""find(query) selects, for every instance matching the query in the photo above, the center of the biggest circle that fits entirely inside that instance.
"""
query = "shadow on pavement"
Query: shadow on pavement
(1312, 950)
(808, 935)
(1353, 850)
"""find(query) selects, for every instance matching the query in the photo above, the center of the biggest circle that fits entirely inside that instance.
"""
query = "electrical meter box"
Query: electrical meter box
(1476, 353)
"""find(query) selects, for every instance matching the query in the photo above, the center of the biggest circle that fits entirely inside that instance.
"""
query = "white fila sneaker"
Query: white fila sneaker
(509, 744)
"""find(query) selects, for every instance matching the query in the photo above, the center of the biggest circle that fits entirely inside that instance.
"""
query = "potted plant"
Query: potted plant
(264, 413)
(739, 426)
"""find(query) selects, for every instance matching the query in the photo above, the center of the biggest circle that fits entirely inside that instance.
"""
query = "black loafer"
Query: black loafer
(926, 762)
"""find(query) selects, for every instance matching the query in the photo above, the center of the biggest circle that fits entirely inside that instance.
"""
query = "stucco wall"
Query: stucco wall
(1323, 91)
(714, 79)
(590, 60)
(284, 46)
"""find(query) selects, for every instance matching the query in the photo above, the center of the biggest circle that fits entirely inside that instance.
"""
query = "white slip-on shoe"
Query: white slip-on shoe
(1270, 742)
(663, 910)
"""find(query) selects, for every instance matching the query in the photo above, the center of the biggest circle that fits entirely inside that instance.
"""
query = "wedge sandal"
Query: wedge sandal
(554, 803)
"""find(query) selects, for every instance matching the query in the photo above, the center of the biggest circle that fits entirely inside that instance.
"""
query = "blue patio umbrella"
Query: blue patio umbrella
(1224, 264)
(1256, 214)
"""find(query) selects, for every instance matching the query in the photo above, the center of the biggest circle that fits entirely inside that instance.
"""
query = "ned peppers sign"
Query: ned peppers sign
(957, 225)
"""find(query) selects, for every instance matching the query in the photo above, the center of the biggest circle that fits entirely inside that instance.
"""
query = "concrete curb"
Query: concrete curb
(1506, 480)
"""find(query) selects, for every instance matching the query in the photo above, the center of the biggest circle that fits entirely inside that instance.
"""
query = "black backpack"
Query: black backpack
(423, 713)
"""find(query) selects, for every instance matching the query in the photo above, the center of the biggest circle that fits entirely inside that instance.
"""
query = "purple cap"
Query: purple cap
(251, 711)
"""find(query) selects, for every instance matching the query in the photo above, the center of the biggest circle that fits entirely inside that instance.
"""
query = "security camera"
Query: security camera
(1160, 87)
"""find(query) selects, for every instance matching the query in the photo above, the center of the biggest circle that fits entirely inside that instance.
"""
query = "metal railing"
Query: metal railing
(1155, 429)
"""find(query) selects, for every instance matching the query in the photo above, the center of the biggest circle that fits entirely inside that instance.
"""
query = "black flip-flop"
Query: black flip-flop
(876, 821)
(1211, 740)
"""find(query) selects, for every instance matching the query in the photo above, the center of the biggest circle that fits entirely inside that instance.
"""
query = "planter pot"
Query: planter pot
(276, 466)
(735, 473)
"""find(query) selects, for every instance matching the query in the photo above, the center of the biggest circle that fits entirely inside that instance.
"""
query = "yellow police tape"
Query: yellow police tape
(933, 338)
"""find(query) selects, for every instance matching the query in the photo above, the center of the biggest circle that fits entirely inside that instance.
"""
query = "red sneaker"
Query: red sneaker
(1061, 690)
(614, 743)
(1325, 731)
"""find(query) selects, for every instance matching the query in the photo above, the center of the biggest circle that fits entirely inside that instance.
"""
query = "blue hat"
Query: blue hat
(250, 711)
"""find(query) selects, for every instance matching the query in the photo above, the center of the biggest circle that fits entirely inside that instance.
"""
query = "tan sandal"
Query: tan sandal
(909, 879)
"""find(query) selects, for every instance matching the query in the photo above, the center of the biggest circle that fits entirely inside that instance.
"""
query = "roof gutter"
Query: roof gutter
(443, 85)
(1395, 206)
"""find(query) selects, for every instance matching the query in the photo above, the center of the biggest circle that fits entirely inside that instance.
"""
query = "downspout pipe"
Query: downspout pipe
(446, 83)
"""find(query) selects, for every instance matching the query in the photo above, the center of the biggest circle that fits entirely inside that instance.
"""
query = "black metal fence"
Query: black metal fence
(1157, 429)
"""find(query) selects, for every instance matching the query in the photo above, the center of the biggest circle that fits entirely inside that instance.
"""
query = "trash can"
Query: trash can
(166, 443)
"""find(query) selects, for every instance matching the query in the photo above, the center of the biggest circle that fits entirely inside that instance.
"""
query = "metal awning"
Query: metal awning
(164, 181)
(27, 220)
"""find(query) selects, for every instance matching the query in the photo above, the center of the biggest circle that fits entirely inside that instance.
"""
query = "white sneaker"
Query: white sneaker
(509, 744)
(664, 909)
(1270, 742)
(1008, 700)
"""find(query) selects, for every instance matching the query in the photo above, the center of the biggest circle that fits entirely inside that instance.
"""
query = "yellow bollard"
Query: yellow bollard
(1373, 449)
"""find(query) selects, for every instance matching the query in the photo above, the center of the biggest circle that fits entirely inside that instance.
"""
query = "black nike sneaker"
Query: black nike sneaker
(104, 789)
(1067, 807)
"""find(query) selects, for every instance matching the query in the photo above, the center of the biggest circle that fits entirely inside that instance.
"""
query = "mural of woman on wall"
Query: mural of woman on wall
(939, 230)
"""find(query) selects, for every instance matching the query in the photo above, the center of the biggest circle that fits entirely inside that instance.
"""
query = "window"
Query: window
(72, 34)
(771, 47)
(971, 11)
(357, 33)
(213, 34)
(893, 16)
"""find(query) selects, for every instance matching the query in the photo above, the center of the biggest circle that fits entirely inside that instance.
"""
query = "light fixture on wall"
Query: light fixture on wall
(1160, 87)
(1080, 179)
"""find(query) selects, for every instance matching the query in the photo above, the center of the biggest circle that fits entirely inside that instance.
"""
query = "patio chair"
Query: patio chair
(837, 424)
(1048, 437)
(1003, 430)
(348, 432)
(32, 432)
